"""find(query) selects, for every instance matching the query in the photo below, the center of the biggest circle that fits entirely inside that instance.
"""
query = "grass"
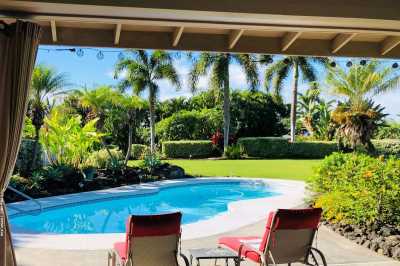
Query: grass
(284, 169)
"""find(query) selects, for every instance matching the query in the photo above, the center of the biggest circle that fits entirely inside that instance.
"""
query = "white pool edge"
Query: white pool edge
(239, 214)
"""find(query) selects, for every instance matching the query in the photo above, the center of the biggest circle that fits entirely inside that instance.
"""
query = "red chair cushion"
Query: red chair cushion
(248, 251)
(120, 248)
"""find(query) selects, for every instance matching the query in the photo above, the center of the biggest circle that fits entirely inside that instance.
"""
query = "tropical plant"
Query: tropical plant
(46, 84)
(324, 129)
(66, 142)
(358, 117)
(308, 108)
(219, 64)
(278, 72)
(143, 70)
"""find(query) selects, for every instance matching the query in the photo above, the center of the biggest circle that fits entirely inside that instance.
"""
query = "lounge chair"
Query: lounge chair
(151, 240)
(288, 238)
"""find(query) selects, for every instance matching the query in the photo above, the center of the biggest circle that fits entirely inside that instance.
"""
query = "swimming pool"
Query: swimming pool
(197, 202)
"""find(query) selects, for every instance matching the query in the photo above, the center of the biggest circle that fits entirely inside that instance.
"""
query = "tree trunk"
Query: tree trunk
(128, 152)
(34, 150)
(227, 113)
(293, 112)
(152, 121)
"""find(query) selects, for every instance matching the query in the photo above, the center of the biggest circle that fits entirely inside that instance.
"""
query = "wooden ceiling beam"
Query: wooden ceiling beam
(389, 44)
(341, 40)
(176, 37)
(53, 31)
(117, 33)
(234, 37)
(289, 39)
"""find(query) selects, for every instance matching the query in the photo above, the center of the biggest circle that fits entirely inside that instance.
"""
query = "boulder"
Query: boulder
(169, 171)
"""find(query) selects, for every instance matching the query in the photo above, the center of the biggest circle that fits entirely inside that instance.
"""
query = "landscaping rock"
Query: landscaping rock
(169, 171)
(396, 252)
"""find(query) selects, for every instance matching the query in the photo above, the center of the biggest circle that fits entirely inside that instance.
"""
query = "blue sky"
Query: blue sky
(91, 72)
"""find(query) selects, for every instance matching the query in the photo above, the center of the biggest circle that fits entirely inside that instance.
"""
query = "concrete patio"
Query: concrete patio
(338, 250)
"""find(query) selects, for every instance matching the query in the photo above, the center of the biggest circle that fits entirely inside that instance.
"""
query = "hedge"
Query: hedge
(25, 157)
(138, 150)
(187, 149)
(387, 147)
(275, 147)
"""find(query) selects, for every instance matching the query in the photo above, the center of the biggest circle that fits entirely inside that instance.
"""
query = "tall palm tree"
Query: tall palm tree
(359, 117)
(219, 64)
(308, 108)
(46, 84)
(143, 70)
(278, 72)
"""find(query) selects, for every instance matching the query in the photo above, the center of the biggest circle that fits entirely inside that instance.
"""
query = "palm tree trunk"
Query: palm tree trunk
(293, 112)
(128, 152)
(227, 113)
(32, 165)
(152, 120)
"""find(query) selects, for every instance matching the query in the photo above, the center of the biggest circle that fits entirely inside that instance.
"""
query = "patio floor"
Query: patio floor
(338, 250)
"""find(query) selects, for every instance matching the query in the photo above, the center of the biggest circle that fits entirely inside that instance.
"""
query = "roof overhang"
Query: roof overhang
(356, 28)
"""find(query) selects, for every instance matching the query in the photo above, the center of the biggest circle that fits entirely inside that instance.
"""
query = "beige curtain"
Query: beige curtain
(18, 48)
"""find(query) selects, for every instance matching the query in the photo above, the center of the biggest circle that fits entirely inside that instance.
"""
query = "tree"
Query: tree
(277, 73)
(308, 108)
(46, 84)
(358, 117)
(143, 70)
(219, 64)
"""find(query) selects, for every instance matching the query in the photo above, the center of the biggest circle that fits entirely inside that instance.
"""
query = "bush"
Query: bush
(189, 125)
(102, 160)
(273, 147)
(24, 159)
(187, 149)
(138, 150)
(358, 189)
(388, 132)
(387, 147)
(233, 152)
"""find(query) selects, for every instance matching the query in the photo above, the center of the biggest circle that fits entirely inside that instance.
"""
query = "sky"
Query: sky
(89, 71)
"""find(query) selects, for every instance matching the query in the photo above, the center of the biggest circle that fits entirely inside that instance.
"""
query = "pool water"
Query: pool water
(196, 201)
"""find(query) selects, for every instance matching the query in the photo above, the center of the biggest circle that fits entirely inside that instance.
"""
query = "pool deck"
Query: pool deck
(338, 250)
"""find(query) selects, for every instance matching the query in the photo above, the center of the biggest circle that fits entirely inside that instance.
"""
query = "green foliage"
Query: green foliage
(138, 150)
(24, 164)
(387, 147)
(187, 149)
(29, 129)
(190, 125)
(104, 159)
(66, 142)
(150, 162)
(270, 147)
(358, 189)
(390, 131)
(233, 152)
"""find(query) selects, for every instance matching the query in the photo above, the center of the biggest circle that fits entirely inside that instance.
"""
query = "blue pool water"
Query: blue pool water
(196, 202)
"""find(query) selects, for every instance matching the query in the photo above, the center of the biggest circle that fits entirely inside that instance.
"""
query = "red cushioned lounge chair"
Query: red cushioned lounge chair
(288, 238)
(151, 240)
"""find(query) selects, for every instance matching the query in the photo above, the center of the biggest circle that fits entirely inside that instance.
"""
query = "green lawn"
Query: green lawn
(285, 169)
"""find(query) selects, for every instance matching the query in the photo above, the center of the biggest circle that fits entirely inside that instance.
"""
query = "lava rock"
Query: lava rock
(169, 171)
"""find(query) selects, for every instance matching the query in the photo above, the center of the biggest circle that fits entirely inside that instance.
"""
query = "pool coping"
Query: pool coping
(290, 194)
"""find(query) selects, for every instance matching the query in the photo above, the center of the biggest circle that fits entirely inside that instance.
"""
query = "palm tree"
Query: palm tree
(143, 70)
(278, 72)
(219, 64)
(358, 117)
(46, 84)
(308, 108)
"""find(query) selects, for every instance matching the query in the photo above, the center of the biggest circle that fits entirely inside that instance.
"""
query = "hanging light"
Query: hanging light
(395, 65)
(363, 62)
(100, 55)
(121, 55)
(349, 64)
(79, 52)
(332, 64)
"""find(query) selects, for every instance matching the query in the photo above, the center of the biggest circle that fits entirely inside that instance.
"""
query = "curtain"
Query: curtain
(18, 47)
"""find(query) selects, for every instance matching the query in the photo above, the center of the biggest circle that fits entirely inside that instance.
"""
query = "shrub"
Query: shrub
(273, 147)
(187, 149)
(387, 147)
(233, 152)
(190, 125)
(138, 151)
(150, 162)
(102, 160)
(24, 159)
(358, 189)
(388, 132)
